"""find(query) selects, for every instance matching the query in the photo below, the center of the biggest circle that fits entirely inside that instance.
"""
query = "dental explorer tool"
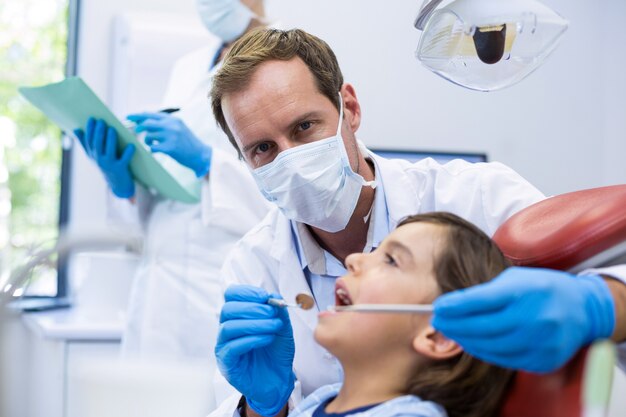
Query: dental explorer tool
(385, 308)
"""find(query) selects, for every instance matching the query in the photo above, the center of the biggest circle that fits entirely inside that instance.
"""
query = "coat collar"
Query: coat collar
(401, 192)
(401, 196)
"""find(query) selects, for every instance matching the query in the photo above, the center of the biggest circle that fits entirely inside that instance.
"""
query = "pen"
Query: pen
(170, 110)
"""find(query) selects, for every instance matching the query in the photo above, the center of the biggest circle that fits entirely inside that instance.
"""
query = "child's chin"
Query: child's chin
(324, 337)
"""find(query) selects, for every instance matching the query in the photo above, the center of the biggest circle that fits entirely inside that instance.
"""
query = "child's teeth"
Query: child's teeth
(343, 295)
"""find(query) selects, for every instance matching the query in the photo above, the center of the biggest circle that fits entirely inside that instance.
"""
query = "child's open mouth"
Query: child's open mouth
(342, 296)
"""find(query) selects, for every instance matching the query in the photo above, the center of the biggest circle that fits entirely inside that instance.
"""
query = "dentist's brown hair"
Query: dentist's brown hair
(266, 44)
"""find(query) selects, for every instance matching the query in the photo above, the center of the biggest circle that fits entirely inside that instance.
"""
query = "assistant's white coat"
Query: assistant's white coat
(177, 296)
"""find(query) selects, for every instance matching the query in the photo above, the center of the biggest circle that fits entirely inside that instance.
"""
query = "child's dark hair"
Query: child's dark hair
(463, 385)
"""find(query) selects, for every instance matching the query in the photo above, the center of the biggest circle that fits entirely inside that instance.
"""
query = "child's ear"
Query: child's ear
(434, 345)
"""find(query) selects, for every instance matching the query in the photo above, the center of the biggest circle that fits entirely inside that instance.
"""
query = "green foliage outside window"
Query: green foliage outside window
(33, 36)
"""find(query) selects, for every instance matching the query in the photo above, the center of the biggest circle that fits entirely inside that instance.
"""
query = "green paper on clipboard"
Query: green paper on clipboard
(71, 102)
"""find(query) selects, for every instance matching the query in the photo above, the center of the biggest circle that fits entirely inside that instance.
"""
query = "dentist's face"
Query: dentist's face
(399, 271)
(282, 108)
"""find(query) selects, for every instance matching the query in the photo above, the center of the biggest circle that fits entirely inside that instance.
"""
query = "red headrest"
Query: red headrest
(557, 394)
(563, 231)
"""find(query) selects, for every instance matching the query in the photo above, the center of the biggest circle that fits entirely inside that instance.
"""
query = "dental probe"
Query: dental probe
(303, 301)
(385, 308)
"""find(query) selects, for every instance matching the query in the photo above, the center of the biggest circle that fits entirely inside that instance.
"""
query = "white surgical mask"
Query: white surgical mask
(314, 183)
(227, 19)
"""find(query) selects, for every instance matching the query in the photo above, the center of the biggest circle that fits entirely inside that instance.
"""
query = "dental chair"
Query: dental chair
(569, 232)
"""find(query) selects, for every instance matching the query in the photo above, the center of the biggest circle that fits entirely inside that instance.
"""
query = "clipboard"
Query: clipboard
(71, 102)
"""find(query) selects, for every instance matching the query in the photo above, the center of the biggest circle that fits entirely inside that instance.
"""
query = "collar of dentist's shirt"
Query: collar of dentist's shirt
(311, 254)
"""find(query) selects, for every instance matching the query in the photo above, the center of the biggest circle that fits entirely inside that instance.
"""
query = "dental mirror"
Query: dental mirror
(303, 301)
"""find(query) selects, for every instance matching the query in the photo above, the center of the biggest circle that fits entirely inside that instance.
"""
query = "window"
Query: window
(33, 51)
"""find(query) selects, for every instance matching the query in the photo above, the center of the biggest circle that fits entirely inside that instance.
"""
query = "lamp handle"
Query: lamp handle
(426, 11)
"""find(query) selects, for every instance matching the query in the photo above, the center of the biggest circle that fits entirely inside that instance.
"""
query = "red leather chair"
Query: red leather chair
(569, 232)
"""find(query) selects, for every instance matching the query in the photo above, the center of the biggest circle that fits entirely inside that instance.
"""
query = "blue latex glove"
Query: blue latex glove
(227, 19)
(527, 318)
(255, 348)
(100, 144)
(170, 135)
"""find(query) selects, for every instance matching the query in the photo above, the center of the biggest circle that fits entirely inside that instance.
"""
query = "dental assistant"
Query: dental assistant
(176, 293)
(281, 99)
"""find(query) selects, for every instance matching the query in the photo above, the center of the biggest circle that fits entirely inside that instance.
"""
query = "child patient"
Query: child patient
(397, 364)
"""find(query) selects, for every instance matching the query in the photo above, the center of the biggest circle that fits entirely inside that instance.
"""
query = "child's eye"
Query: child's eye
(389, 260)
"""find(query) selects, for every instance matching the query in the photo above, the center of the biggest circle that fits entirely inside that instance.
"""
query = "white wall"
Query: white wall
(562, 127)
(614, 85)
(15, 366)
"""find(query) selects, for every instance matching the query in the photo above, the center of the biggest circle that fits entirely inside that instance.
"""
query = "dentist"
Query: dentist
(281, 99)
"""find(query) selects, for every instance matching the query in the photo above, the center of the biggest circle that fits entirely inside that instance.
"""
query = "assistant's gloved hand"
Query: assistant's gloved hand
(226, 19)
(527, 318)
(100, 143)
(255, 348)
(170, 135)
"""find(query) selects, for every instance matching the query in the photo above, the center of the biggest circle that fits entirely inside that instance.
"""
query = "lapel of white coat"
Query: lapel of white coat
(401, 189)
(291, 279)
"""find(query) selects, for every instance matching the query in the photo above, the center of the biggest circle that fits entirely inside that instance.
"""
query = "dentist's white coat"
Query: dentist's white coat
(485, 194)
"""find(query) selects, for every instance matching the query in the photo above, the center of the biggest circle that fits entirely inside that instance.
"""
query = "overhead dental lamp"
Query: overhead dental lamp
(486, 45)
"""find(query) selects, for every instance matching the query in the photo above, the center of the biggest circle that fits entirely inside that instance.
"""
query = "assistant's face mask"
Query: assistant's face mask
(227, 19)
(314, 183)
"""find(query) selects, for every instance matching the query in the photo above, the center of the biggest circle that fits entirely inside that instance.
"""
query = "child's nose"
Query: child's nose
(354, 262)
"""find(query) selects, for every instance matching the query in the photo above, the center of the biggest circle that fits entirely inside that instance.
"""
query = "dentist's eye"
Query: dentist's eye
(304, 126)
(389, 260)
(263, 147)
